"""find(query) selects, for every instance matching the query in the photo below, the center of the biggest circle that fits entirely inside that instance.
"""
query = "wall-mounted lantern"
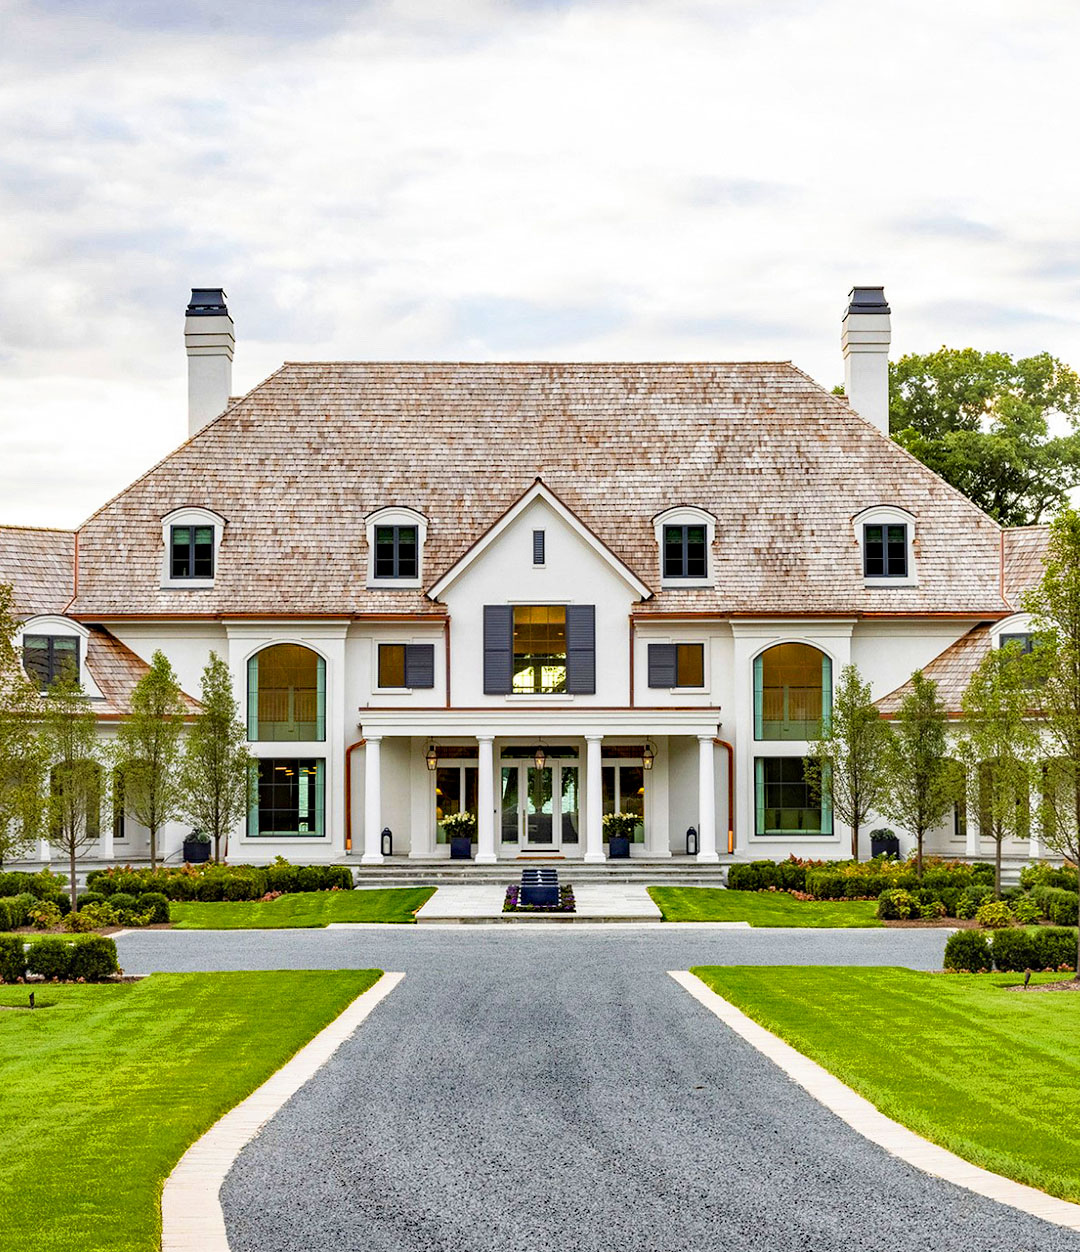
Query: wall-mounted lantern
(648, 756)
(431, 757)
(540, 757)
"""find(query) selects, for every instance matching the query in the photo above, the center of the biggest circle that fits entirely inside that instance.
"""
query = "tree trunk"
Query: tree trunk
(855, 841)
(217, 848)
(1076, 976)
(997, 868)
(71, 864)
(153, 848)
(918, 855)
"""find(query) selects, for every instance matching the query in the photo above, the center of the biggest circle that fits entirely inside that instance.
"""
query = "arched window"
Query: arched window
(286, 694)
(792, 691)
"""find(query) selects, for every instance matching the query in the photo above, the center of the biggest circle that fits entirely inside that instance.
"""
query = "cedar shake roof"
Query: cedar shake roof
(40, 565)
(116, 670)
(1025, 547)
(297, 464)
(950, 670)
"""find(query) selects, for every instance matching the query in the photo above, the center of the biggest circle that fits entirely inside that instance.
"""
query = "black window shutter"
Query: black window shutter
(498, 649)
(538, 547)
(419, 665)
(581, 649)
(663, 664)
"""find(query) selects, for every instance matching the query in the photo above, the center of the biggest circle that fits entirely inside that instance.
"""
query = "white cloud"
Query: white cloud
(574, 180)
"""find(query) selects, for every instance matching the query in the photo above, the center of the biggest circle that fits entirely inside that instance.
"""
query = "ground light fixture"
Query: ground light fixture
(648, 756)
(432, 758)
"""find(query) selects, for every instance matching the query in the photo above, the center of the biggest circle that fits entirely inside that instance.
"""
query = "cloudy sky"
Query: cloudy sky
(470, 179)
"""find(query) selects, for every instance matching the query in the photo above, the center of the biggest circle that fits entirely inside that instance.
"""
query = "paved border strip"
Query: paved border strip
(872, 1124)
(191, 1216)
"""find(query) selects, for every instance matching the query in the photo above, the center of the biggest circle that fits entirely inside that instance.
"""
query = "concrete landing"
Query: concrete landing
(483, 902)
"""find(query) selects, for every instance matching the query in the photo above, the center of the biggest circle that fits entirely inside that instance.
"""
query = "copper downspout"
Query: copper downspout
(723, 743)
(348, 791)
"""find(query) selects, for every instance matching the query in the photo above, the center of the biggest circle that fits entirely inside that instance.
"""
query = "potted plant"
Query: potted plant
(883, 842)
(460, 829)
(196, 848)
(619, 830)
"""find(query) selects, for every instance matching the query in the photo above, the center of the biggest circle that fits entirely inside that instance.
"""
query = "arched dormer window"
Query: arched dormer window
(395, 541)
(286, 695)
(885, 534)
(190, 538)
(1016, 630)
(685, 537)
(792, 692)
(50, 644)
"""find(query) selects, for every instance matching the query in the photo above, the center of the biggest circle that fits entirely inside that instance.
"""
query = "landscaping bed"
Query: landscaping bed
(566, 901)
(989, 1074)
(105, 1091)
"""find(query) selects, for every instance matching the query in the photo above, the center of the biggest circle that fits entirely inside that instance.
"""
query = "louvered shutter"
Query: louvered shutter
(498, 649)
(581, 649)
(538, 547)
(663, 665)
(419, 665)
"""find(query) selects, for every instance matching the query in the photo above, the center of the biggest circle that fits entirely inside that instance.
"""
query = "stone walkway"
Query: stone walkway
(622, 902)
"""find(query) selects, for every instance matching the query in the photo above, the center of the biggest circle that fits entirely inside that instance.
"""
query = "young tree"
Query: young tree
(148, 750)
(1055, 608)
(71, 746)
(922, 783)
(21, 766)
(981, 421)
(848, 762)
(215, 775)
(999, 747)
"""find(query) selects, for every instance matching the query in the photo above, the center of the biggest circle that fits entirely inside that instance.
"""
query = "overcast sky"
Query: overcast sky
(474, 179)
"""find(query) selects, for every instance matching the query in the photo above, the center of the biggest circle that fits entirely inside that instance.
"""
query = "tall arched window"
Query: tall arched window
(286, 695)
(792, 691)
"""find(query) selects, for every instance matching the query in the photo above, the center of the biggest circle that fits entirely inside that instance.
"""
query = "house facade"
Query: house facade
(538, 592)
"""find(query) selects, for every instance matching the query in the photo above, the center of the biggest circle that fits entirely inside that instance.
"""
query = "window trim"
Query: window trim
(397, 516)
(193, 516)
(251, 825)
(251, 691)
(1016, 624)
(886, 515)
(686, 515)
(757, 668)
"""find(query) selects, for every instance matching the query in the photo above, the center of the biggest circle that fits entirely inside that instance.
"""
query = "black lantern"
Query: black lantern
(540, 756)
(432, 758)
(648, 756)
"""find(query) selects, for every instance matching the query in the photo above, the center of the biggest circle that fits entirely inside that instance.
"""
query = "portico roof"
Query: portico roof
(532, 720)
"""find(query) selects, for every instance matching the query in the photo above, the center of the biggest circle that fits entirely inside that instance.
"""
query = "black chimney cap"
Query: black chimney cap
(867, 300)
(207, 302)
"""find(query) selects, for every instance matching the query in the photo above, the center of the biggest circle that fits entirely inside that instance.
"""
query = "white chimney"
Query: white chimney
(208, 337)
(865, 341)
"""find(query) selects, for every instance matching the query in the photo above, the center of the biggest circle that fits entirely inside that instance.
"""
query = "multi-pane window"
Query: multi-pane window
(539, 648)
(119, 817)
(623, 791)
(191, 552)
(792, 692)
(286, 694)
(885, 550)
(395, 552)
(685, 552)
(785, 802)
(46, 657)
(1025, 642)
(288, 797)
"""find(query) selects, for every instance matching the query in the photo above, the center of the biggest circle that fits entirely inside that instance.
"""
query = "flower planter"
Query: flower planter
(461, 849)
(618, 848)
(886, 845)
(195, 852)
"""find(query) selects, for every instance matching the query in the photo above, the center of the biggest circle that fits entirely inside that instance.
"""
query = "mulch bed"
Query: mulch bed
(1070, 984)
(935, 923)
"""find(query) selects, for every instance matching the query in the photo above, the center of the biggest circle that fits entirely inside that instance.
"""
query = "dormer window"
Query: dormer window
(191, 537)
(1024, 641)
(47, 657)
(886, 538)
(685, 536)
(395, 539)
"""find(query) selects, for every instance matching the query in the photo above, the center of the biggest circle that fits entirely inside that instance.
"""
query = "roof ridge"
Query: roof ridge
(500, 364)
(48, 530)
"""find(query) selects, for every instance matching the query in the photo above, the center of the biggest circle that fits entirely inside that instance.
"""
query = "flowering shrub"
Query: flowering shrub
(565, 905)
(460, 825)
(620, 825)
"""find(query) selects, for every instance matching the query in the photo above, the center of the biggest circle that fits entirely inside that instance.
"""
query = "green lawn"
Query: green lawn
(759, 908)
(304, 908)
(103, 1091)
(991, 1074)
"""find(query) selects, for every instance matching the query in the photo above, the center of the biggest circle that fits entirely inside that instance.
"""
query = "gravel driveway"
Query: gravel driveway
(527, 1091)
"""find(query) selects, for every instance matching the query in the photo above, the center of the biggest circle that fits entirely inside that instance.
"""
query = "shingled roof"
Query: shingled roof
(1025, 547)
(116, 670)
(950, 670)
(40, 566)
(296, 465)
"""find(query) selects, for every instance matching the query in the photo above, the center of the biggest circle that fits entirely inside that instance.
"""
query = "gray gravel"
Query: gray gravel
(556, 1090)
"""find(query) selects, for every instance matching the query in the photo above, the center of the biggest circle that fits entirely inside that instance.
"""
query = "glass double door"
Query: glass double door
(540, 806)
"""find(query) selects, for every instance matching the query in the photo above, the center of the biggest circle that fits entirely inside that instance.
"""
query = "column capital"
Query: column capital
(593, 738)
(372, 739)
(484, 738)
(706, 738)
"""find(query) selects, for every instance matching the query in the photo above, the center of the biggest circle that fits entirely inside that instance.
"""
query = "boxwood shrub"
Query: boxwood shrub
(12, 958)
(968, 950)
(121, 902)
(1015, 949)
(93, 958)
(221, 882)
(51, 958)
(156, 904)
(1054, 947)
(1058, 905)
(90, 897)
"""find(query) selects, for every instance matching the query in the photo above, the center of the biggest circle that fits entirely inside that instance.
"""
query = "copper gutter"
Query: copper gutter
(723, 743)
(348, 791)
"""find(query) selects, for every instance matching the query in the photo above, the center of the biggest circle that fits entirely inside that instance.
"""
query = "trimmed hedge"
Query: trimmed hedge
(12, 958)
(90, 957)
(220, 882)
(156, 904)
(968, 951)
(1043, 948)
(1039, 874)
(44, 885)
(1058, 905)
(51, 958)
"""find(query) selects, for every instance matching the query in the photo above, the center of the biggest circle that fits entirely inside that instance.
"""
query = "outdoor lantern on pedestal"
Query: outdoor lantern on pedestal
(648, 756)
(691, 842)
(431, 757)
(387, 841)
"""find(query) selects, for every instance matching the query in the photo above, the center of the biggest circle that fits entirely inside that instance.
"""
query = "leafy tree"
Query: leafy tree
(980, 420)
(1054, 604)
(21, 765)
(215, 775)
(848, 762)
(148, 750)
(999, 747)
(922, 782)
(71, 746)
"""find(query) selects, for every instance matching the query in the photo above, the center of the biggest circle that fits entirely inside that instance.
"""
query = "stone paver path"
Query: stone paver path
(594, 901)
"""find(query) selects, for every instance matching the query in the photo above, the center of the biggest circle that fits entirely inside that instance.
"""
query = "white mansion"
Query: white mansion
(540, 592)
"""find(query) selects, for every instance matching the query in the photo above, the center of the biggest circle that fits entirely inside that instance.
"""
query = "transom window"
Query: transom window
(191, 552)
(286, 695)
(686, 552)
(792, 692)
(784, 800)
(539, 648)
(288, 797)
(46, 657)
(395, 552)
(885, 550)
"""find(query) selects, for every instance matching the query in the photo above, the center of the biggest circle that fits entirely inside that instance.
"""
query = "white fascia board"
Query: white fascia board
(539, 492)
(532, 721)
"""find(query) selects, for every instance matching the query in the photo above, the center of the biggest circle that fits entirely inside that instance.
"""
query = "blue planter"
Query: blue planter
(195, 853)
(461, 849)
(618, 848)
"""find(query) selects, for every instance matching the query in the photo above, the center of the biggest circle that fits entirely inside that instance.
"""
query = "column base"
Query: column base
(486, 858)
(595, 858)
(709, 858)
(372, 858)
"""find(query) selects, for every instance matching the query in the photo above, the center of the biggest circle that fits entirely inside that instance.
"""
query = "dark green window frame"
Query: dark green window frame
(784, 804)
(45, 657)
(396, 552)
(885, 550)
(288, 798)
(686, 551)
(191, 552)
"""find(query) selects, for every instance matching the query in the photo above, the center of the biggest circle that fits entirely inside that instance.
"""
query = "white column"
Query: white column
(372, 801)
(106, 848)
(44, 850)
(972, 838)
(485, 800)
(1034, 826)
(706, 799)
(594, 801)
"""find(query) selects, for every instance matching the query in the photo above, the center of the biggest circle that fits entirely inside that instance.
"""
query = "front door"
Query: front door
(539, 807)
